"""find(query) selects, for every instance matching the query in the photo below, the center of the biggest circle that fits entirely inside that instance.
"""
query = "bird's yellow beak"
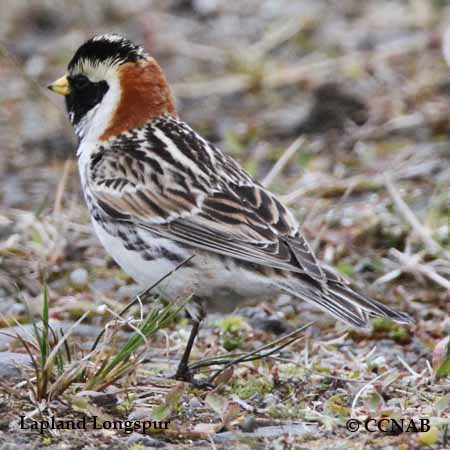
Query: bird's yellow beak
(60, 86)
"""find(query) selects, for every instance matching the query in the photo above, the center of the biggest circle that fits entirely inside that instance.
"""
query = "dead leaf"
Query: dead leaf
(218, 404)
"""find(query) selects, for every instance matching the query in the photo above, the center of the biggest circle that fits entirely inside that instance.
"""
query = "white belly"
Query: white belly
(142, 271)
(224, 288)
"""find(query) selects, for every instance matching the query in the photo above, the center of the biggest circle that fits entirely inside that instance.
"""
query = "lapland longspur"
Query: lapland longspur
(158, 192)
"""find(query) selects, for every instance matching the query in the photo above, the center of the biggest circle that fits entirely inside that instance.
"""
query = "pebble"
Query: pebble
(148, 442)
(79, 277)
(206, 7)
(194, 403)
(260, 320)
(249, 424)
(127, 291)
(267, 432)
(11, 364)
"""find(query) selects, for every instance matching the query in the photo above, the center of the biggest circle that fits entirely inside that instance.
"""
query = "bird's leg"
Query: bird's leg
(197, 313)
(183, 373)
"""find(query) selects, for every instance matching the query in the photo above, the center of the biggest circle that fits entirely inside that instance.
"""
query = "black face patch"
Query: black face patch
(84, 95)
(109, 48)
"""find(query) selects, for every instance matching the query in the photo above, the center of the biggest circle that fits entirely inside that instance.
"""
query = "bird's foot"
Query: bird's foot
(183, 373)
(186, 375)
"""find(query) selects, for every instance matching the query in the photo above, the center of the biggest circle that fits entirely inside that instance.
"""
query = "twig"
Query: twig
(61, 188)
(297, 72)
(421, 231)
(279, 33)
(364, 389)
(137, 299)
(330, 186)
(281, 163)
(408, 367)
(146, 291)
(274, 347)
(219, 86)
(432, 275)
(130, 323)
(424, 269)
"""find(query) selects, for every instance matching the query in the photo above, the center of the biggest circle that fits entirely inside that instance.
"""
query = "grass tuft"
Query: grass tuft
(444, 369)
(56, 367)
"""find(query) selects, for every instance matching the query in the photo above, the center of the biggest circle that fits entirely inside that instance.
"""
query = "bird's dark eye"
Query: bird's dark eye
(79, 82)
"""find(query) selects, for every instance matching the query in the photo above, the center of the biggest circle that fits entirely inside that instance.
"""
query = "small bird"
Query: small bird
(158, 193)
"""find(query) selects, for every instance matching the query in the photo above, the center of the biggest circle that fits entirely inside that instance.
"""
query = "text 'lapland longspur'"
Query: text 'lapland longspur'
(158, 193)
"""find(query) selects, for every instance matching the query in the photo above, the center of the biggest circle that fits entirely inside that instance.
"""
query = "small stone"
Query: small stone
(146, 441)
(11, 363)
(103, 399)
(127, 291)
(79, 277)
(101, 285)
(261, 320)
(206, 7)
(249, 424)
(270, 400)
(293, 429)
(194, 402)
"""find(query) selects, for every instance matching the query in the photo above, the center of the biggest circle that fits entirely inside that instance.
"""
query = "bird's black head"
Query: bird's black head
(110, 49)
(112, 86)
(92, 72)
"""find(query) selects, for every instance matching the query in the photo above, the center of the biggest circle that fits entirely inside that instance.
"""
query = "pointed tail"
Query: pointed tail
(343, 302)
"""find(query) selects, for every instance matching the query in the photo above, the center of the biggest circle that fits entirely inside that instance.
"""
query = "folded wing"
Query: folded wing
(208, 202)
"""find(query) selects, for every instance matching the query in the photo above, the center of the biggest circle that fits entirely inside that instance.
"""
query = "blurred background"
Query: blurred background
(351, 98)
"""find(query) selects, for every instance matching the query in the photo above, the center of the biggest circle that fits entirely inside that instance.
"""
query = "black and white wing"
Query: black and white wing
(171, 181)
(167, 179)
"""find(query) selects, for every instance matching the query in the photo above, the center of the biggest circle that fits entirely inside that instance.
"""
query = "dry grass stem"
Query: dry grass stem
(278, 167)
